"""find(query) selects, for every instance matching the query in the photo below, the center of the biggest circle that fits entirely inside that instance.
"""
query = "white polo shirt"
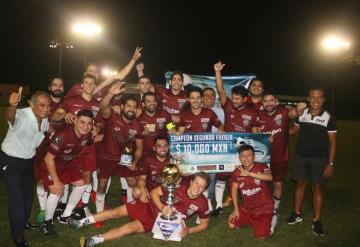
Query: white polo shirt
(24, 136)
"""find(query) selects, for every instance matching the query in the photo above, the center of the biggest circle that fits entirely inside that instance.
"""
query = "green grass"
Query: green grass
(341, 213)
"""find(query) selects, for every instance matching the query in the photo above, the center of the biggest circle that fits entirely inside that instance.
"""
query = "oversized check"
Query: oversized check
(214, 153)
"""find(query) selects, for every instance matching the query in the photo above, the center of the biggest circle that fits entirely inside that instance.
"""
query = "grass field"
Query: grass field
(341, 214)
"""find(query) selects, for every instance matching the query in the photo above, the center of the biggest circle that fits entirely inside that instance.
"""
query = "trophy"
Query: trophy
(168, 227)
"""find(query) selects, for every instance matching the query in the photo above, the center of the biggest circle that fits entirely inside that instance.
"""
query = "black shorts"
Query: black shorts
(309, 168)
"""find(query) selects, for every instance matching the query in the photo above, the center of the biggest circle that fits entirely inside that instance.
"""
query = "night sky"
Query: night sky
(277, 41)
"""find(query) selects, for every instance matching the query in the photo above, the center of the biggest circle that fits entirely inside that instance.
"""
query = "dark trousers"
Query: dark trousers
(18, 175)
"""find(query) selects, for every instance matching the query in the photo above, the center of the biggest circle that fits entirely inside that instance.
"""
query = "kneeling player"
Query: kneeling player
(143, 215)
(251, 180)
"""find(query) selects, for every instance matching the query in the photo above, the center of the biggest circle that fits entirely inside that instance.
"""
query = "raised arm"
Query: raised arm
(105, 108)
(11, 109)
(219, 83)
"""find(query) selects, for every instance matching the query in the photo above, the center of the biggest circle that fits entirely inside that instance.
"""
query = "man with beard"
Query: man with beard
(255, 90)
(274, 120)
(238, 118)
(122, 147)
(153, 120)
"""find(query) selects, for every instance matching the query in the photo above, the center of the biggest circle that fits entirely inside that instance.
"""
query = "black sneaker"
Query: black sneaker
(217, 211)
(21, 242)
(294, 218)
(30, 226)
(78, 214)
(317, 228)
(63, 220)
(48, 228)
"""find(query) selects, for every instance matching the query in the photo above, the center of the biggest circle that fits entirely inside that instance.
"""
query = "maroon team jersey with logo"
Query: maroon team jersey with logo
(153, 127)
(185, 206)
(66, 146)
(77, 90)
(277, 126)
(59, 124)
(239, 120)
(255, 193)
(257, 106)
(152, 168)
(202, 122)
(171, 103)
(119, 135)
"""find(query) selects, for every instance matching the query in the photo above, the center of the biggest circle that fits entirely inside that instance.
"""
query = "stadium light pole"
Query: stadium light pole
(334, 45)
(55, 44)
(86, 30)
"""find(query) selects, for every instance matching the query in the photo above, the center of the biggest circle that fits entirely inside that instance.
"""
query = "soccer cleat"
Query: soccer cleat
(40, 217)
(274, 222)
(294, 218)
(30, 226)
(217, 211)
(59, 210)
(227, 202)
(99, 224)
(87, 242)
(48, 228)
(75, 224)
(317, 228)
(63, 220)
(78, 214)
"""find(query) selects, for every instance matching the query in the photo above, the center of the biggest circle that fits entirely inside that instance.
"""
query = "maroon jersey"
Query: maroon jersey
(152, 167)
(119, 135)
(76, 90)
(153, 127)
(66, 146)
(239, 120)
(59, 124)
(202, 122)
(185, 206)
(255, 193)
(277, 126)
(257, 106)
(171, 103)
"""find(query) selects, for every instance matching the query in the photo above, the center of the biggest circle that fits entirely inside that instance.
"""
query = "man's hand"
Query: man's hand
(166, 210)
(144, 196)
(244, 173)
(137, 53)
(117, 88)
(234, 216)
(69, 118)
(132, 167)
(140, 67)
(57, 188)
(15, 98)
(300, 107)
(328, 171)
(218, 66)
(184, 229)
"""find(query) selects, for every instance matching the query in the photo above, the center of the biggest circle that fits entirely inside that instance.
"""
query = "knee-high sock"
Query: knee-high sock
(95, 181)
(42, 196)
(207, 195)
(219, 192)
(276, 204)
(74, 198)
(86, 196)
(100, 202)
(108, 185)
(124, 184)
(129, 194)
(51, 203)
(64, 197)
(87, 221)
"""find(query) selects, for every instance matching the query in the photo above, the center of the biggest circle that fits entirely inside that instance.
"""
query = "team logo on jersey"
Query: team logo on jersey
(257, 181)
(278, 119)
(58, 140)
(161, 122)
(181, 103)
(83, 143)
(192, 209)
(246, 120)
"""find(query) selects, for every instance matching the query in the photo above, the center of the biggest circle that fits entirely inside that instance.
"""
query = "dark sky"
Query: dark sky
(279, 41)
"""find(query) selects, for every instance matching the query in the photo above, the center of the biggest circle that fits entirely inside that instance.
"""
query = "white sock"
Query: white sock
(42, 196)
(86, 196)
(108, 185)
(98, 239)
(74, 198)
(64, 197)
(219, 192)
(95, 180)
(100, 202)
(276, 204)
(124, 184)
(51, 203)
(87, 221)
(210, 205)
(129, 194)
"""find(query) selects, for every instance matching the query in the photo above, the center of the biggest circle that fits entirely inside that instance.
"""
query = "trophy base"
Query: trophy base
(168, 218)
(167, 230)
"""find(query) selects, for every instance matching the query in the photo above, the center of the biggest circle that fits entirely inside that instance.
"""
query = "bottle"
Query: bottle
(126, 156)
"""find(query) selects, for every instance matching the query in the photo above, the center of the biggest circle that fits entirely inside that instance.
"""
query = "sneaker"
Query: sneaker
(99, 224)
(48, 228)
(317, 228)
(274, 222)
(75, 224)
(78, 214)
(227, 202)
(63, 220)
(60, 208)
(294, 218)
(87, 242)
(41, 217)
(123, 196)
(216, 212)
(30, 226)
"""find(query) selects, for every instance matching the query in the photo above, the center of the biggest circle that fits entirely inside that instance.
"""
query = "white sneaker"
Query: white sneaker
(274, 222)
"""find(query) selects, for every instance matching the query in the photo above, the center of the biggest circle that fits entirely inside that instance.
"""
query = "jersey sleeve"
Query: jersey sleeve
(65, 105)
(204, 212)
(57, 145)
(331, 127)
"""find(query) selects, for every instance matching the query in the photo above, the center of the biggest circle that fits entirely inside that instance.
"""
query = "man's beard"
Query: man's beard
(56, 93)
(129, 116)
(151, 109)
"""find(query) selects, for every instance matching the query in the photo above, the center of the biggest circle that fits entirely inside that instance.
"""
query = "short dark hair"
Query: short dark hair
(85, 113)
(143, 76)
(126, 98)
(245, 147)
(161, 137)
(268, 92)
(194, 89)
(88, 76)
(204, 176)
(239, 90)
(316, 88)
(177, 72)
(256, 79)
(51, 81)
(209, 88)
(148, 94)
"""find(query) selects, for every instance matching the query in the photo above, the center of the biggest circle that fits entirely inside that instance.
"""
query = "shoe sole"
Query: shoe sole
(296, 221)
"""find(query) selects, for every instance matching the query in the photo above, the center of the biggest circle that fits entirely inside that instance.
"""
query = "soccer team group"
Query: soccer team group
(97, 132)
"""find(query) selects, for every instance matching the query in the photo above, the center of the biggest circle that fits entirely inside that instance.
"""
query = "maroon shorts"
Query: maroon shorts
(87, 158)
(279, 170)
(108, 168)
(67, 175)
(260, 223)
(137, 210)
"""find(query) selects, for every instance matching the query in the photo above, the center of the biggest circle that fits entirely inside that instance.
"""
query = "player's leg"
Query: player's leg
(131, 181)
(100, 194)
(42, 197)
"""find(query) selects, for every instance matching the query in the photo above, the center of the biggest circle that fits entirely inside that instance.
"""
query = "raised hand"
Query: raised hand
(117, 88)
(219, 66)
(15, 98)
(140, 66)
(137, 53)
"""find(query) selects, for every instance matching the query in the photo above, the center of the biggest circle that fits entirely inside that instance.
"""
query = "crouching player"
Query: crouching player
(251, 179)
(143, 215)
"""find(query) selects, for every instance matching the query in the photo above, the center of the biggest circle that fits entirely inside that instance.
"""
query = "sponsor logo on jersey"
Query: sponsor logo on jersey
(278, 119)
(250, 192)
(132, 134)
